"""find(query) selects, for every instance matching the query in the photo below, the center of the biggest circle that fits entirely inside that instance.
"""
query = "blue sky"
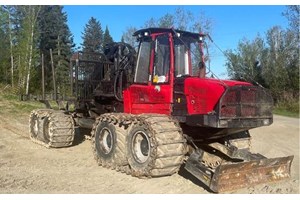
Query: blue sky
(230, 23)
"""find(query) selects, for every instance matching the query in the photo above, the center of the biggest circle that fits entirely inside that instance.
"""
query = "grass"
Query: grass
(11, 106)
(284, 112)
(289, 109)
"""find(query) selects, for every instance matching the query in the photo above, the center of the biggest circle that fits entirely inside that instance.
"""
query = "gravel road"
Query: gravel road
(28, 168)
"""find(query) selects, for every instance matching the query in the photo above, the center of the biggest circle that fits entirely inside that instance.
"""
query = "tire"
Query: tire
(105, 144)
(140, 150)
(155, 146)
(46, 130)
(109, 141)
(34, 125)
(51, 128)
(58, 130)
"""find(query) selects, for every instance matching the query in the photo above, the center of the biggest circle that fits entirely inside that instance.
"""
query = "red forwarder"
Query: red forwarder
(153, 112)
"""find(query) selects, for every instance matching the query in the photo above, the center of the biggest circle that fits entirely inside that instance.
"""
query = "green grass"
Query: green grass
(10, 105)
(289, 109)
(10, 97)
(284, 112)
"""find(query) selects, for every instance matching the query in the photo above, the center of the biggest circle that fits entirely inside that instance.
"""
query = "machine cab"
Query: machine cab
(163, 56)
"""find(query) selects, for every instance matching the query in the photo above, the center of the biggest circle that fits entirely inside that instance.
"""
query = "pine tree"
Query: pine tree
(55, 35)
(4, 46)
(8, 37)
(92, 37)
(106, 37)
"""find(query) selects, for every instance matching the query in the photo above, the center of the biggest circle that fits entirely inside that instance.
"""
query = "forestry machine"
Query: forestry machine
(153, 111)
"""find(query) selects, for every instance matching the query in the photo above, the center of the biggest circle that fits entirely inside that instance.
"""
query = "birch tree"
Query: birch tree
(27, 46)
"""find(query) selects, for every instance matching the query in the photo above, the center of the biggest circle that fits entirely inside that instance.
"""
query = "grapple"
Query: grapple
(236, 174)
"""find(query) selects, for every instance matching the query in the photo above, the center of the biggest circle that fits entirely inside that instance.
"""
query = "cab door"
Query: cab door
(152, 88)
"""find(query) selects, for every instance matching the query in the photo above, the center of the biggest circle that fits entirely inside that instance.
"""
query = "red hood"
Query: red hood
(217, 81)
(203, 94)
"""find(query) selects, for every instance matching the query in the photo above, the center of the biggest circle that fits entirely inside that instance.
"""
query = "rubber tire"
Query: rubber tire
(46, 136)
(106, 159)
(138, 168)
(34, 124)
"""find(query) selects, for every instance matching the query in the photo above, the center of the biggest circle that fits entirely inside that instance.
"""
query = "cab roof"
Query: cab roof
(168, 30)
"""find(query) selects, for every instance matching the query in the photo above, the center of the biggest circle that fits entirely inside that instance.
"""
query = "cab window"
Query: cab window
(162, 59)
(143, 62)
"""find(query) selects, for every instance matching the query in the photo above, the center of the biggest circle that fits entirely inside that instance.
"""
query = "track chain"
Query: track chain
(60, 128)
(40, 114)
(121, 124)
(168, 143)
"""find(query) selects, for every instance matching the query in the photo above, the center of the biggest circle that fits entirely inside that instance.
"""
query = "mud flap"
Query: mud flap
(233, 176)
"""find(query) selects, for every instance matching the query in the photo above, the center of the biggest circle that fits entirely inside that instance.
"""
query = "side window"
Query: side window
(162, 60)
(195, 58)
(181, 59)
(143, 61)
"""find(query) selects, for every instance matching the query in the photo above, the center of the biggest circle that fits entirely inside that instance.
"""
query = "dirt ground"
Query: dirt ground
(28, 168)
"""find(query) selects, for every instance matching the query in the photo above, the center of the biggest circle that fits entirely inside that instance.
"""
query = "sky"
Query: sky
(230, 23)
(232, 20)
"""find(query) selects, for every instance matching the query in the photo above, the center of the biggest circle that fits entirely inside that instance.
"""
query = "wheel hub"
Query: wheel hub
(144, 147)
(35, 127)
(141, 147)
(106, 140)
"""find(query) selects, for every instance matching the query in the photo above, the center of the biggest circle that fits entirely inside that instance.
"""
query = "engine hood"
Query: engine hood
(204, 94)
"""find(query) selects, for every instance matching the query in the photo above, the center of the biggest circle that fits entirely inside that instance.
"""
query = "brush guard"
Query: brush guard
(233, 175)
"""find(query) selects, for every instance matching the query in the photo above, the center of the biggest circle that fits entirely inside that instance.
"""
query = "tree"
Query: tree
(4, 45)
(246, 63)
(275, 58)
(151, 23)
(274, 63)
(9, 10)
(55, 35)
(8, 36)
(106, 37)
(27, 44)
(62, 53)
(92, 37)
(27, 31)
(181, 19)
(122, 39)
(166, 21)
(292, 41)
(128, 36)
(292, 14)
